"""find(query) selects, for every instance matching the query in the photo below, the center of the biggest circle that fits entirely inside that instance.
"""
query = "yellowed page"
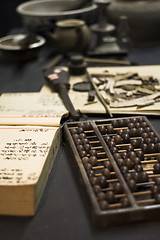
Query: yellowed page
(23, 153)
(31, 109)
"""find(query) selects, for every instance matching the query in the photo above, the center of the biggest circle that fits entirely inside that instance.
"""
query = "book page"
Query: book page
(23, 152)
(31, 109)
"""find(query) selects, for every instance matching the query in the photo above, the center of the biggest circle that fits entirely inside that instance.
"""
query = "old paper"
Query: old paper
(31, 109)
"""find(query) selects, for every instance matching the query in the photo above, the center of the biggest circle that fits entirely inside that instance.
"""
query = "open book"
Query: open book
(30, 139)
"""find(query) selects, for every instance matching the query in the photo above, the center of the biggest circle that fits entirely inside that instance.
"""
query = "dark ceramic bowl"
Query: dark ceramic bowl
(15, 47)
(43, 13)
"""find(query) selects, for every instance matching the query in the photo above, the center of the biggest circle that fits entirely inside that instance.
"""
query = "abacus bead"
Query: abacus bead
(117, 155)
(144, 147)
(126, 138)
(107, 139)
(140, 154)
(120, 162)
(148, 140)
(82, 135)
(121, 122)
(73, 131)
(155, 140)
(118, 188)
(135, 143)
(85, 141)
(110, 196)
(115, 123)
(85, 160)
(120, 131)
(80, 148)
(156, 168)
(136, 176)
(106, 173)
(138, 168)
(93, 160)
(80, 130)
(87, 126)
(151, 134)
(152, 147)
(97, 188)
(94, 180)
(140, 131)
(128, 163)
(75, 136)
(90, 173)
(107, 164)
(101, 196)
(77, 141)
(117, 139)
(144, 176)
(103, 204)
(112, 144)
(129, 148)
(124, 169)
(137, 124)
(128, 176)
(143, 124)
(147, 129)
(132, 185)
(127, 121)
(125, 202)
(133, 132)
(114, 150)
(88, 166)
(87, 147)
(130, 125)
(131, 154)
(140, 119)
(155, 189)
(134, 119)
(136, 160)
(83, 153)
(144, 135)
(102, 129)
(93, 152)
(110, 129)
(102, 181)
(124, 155)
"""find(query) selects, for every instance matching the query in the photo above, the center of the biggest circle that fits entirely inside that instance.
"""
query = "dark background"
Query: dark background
(62, 214)
(9, 18)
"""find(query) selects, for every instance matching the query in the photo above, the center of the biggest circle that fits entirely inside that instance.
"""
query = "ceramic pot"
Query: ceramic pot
(71, 36)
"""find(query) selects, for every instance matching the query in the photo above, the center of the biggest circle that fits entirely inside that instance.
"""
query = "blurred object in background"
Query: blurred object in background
(143, 18)
(41, 15)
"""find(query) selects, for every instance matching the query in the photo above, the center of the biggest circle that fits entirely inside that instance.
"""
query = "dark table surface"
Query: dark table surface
(61, 213)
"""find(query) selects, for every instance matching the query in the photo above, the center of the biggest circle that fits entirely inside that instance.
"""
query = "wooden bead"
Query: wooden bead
(106, 172)
(125, 202)
(118, 188)
(93, 160)
(103, 204)
(110, 196)
(101, 196)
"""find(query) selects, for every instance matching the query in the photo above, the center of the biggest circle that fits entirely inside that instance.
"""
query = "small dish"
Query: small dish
(21, 46)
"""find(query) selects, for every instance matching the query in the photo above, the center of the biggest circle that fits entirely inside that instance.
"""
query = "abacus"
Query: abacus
(118, 163)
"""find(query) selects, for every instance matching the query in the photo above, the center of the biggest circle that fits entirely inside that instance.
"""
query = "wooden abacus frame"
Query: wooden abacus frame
(141, 210)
